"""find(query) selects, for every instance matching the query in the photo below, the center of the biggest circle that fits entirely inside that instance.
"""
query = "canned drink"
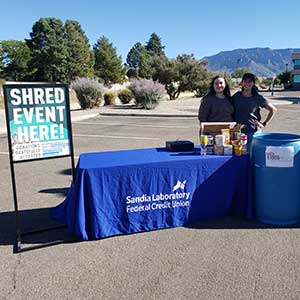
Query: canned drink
(210, 140)
(238, 150)
(243, 139)
(244, 150)
(203, 140)
(210, 149)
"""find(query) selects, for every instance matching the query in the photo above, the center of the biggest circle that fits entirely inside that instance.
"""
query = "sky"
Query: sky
(200, 27)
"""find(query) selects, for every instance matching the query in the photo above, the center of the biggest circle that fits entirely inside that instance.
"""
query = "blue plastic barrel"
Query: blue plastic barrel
(276, 162)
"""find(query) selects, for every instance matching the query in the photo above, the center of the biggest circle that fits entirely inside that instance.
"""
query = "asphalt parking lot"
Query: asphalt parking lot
(218, 259)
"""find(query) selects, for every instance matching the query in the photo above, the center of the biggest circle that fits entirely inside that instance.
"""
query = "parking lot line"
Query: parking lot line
(134, 125)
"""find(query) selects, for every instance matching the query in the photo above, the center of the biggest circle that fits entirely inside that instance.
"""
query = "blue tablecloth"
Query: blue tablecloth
(131, 191)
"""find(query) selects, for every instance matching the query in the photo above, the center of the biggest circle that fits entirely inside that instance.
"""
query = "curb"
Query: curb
(84, 117)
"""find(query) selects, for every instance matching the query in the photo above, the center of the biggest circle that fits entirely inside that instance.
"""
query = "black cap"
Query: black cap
(248, 76)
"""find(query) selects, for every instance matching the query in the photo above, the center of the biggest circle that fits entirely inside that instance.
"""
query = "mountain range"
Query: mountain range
(264, 62)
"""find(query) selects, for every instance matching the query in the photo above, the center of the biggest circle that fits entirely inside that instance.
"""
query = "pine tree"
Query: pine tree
(80, 60)
(108, 65)
(49, 50)
(139, 62)
(15, 58)
(154, 45)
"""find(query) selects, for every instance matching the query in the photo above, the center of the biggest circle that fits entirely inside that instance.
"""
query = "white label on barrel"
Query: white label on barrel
(280, 157)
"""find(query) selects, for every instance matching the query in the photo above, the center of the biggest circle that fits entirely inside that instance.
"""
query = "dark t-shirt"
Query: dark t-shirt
(244, 107)
(214, 109)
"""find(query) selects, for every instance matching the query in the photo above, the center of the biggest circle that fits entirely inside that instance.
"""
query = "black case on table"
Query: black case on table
(176, 146)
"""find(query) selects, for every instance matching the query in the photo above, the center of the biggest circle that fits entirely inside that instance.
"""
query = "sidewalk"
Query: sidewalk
(186, 107)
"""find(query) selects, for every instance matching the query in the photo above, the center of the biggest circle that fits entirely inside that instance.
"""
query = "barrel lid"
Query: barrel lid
(278, 137)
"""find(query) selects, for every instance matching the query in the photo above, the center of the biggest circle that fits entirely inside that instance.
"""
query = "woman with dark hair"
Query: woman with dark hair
(247, 105)
(215, 105)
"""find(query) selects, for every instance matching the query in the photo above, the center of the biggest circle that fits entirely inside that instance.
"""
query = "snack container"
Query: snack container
(220, 140)
(218, 150)
(228, 150)
(226, 133)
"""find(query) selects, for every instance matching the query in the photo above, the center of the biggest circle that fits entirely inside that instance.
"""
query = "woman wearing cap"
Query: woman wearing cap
(215, 105)
(247, 105)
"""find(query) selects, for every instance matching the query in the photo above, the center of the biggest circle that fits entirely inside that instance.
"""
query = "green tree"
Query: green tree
(267, 82)
(192, 72)
(80, 59)
(1, 62)
(154, 45)
(108, 65)
(239, 72)
(166, 71)
(139, 62)
(285, 78)
(49, 50)
(15, 58)
(185, 73)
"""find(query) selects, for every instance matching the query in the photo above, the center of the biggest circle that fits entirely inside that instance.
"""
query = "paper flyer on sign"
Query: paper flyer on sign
(280, 157)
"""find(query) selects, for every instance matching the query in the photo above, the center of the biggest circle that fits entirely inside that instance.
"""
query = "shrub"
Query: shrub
(288, 86)
(147, 93)
(264, 87)
(125, 96)
(88, 91)
(109, 98)
(201, 88)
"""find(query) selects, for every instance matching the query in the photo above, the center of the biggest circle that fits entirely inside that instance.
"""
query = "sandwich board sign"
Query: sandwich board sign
(38, 127)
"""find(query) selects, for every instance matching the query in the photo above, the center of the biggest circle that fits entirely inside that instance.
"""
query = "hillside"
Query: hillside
(264, 62)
